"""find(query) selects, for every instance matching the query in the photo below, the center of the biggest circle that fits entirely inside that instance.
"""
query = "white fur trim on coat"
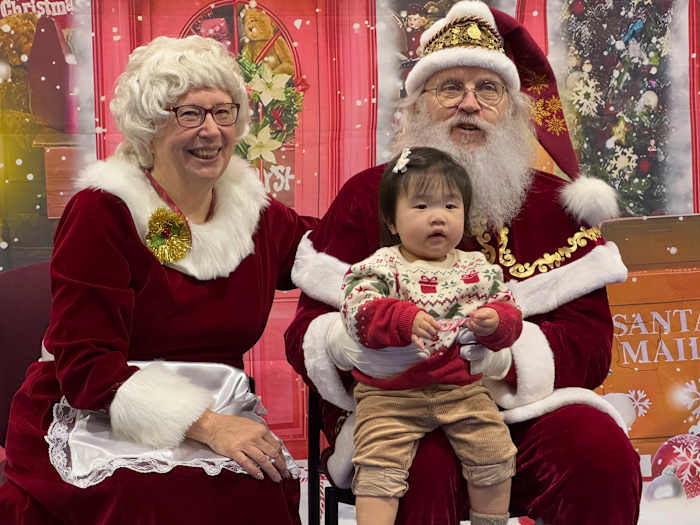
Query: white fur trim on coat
(218, 245)
(559, 398)
(548, 291)
(318, 275)
(319, 366)
(534, 366)
(155, 407)
(590, 200)
(340, 467)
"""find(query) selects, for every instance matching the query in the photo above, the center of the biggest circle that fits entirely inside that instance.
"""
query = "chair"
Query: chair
(333, 495)
(25, 300)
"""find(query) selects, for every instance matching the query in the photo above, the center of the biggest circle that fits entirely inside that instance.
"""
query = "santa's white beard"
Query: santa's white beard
(499, 169)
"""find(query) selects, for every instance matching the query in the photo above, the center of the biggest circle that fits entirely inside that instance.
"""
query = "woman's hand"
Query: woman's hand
(248, 443)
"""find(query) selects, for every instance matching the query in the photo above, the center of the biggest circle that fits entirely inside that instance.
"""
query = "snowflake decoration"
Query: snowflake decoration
(691, 395)
(535, 83)
(586, 97)
(623, 163)
(553, 105)
(556, 126)
(640, 401)
(538, 111)
(582, 33)
(688, 462)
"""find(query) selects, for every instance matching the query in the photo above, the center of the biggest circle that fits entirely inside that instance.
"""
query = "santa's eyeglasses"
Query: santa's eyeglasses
(451, 94)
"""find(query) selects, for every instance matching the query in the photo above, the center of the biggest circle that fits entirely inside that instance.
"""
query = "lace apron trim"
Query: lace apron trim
(84, 450)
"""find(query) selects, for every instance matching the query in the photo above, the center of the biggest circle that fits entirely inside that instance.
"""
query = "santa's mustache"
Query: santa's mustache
(470, 120)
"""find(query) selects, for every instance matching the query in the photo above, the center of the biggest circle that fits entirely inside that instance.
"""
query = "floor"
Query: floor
(672, 511)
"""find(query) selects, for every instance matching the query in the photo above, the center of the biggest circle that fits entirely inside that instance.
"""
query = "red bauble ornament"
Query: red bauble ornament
(644, 166)
(683, 453)
(577, 8)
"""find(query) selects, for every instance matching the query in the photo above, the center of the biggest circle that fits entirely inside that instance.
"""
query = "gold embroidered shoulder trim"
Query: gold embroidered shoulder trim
(546, 262)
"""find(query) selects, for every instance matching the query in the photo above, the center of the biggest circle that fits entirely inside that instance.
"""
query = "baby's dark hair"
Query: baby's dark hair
(426, 168)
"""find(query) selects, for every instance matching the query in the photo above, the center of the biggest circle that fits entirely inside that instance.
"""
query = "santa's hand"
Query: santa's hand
(494, 365)
(346, 354)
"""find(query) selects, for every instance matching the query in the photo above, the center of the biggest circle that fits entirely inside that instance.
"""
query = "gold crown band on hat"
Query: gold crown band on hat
(469, 31)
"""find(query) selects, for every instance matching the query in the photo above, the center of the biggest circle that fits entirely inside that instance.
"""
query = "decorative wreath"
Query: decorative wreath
(276, 103)
(168, 236)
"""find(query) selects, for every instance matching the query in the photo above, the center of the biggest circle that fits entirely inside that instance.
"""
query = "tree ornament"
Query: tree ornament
(649, 99)
(577, 8)
(682, 453)
(620, 131)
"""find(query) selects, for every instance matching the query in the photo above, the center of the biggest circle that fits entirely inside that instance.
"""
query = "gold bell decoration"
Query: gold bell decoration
(168, 236)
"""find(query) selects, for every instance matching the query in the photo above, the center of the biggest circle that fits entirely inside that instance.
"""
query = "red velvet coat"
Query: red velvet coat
(112, 302)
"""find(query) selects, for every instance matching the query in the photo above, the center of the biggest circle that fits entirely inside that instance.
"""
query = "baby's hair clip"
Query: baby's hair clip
(402, 162)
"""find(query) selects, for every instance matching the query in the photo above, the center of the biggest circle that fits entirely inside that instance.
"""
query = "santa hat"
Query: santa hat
(473, 34)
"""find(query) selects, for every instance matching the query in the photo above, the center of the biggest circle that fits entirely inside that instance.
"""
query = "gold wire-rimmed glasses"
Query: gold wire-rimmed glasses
(451, 93)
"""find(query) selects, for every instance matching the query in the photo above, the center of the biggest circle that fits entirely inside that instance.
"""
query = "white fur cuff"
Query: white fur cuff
(340, 467)
(534, 366)
(319, 366)
(155, 407)
(319, 275)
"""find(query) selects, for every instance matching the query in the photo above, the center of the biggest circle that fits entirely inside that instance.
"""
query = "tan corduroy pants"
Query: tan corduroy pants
(390, 423)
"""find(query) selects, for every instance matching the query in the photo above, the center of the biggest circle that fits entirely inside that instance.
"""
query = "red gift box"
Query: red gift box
(428, 284)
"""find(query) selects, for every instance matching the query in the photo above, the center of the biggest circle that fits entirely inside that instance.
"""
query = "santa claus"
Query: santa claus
(575, 463)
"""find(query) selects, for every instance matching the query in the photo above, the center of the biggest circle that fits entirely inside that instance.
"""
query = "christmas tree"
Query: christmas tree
(616, 95)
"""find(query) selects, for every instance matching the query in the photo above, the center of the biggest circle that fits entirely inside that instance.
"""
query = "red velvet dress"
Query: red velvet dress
(113, 301)
(574, 463)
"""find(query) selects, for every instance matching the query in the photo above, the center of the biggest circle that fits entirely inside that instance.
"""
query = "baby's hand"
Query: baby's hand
(424, 327)
(483, 321)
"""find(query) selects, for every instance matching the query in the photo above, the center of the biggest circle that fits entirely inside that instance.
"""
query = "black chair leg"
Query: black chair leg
(331, 510)
(314, 445)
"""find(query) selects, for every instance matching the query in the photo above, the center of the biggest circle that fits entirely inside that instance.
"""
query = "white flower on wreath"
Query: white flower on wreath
(268, 85)
(262, 145)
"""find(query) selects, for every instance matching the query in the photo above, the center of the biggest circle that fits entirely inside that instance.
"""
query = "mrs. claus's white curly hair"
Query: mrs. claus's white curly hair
(159, 73)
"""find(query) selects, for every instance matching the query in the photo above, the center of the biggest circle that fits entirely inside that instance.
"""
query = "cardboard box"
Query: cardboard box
(656, 314)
